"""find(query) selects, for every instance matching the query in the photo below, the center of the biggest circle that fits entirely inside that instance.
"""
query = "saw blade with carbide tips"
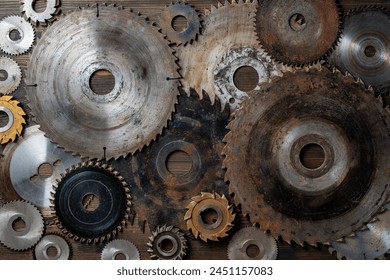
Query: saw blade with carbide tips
(167, 243)
(292, 117)
(88, 43)
(364, 49)
(30, 231)
(30, 13)
(190, 15)
(17, 35)
(15, 119)
(59, 243)
(32, 164)
(91, 202)
(265, 246)
(10, 75)
(371, 242)
(120, 247)
(226, 28)
(298, 32)
(161, 193)
(209, 216)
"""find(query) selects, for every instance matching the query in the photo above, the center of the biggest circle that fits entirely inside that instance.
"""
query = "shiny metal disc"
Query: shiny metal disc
(364, 49)
(34, 164)
(123, 118)
(60, 245)
(25, 237)
(120, 247)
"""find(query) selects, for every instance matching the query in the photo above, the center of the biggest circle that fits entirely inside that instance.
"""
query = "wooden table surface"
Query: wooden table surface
(197, 249)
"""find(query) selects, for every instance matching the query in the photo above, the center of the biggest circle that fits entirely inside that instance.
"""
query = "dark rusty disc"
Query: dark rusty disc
(298, 32)
(160, 196)
(269, 178)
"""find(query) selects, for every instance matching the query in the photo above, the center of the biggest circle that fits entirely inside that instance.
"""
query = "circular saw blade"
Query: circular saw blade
(371, 242)
(298, 32)
(94, 124)
(20, 166)
(228, 30)
(364, 48)
(161, 196)
(265, 147)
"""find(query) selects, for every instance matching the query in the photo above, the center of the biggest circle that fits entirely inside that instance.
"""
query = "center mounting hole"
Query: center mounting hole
(15, 35)
(179, 163)
(312, 156)
(39, 6)
(370, 51)
(90, 202)
(209, 216)
(3, 75)
(297, 22)
(246, 78)
(4, 119)
(120, 257)
(45, 170)
(52, 252)
(102, 82)
(179, 23)
(19, 225)
(253, 251)
(166, 245)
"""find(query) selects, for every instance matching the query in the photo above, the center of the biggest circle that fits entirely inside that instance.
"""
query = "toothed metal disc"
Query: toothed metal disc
(298, 32)
(266, 148)
(39, 17)
(242, 241)
(196, 131)
(209, 216)
(93, 124)
(235, 59)
(61, 246)
(91, 202)
(15, 119)
(25, 237)
(364, 49)
(25, 162)
(370, 243)
(120, 247)
(10, 75)
(17, 35)
(167, 243)
(227, 27)
(191, 16)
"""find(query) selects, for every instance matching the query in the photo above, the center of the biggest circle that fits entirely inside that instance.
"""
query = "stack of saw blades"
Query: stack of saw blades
(250, 130)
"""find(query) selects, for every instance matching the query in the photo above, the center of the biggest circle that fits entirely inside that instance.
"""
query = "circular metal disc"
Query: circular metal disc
(266, 144)
(25, 237)
(191, 16)
(167, 243)
(370, 243)
(41, 17)
(242, 240)
(23, 39)
(25, 158)
(298, 32)
(92, 123)
(12, 75)
(364, 49)
(119, 247)
(57, 242)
